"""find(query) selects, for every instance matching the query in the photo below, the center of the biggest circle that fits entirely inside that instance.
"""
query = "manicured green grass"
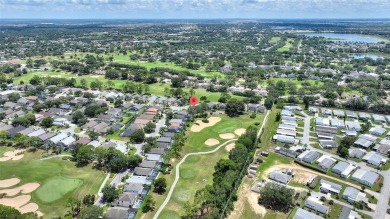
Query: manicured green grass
(274, 40)
(269, 129)
(56, 187)
(195, 140)
(77, 130)
(31, 169)
(295, 81)
(195, 173)
(4, 149)
(287, 45)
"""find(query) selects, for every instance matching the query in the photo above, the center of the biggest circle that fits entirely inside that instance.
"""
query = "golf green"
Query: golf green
(56, 187)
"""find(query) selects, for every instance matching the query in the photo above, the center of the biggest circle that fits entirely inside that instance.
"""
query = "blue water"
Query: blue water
(345, 37)
(362, 56)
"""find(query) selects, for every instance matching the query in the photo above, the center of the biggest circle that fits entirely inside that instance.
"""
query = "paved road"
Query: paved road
(383, 196)
(177, 175)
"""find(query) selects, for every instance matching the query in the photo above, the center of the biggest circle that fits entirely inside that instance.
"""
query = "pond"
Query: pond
(345, 37)
(362, 56)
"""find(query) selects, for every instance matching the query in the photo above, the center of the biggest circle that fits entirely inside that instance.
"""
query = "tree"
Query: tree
(23, 121)
(91, 212)
(276, 197)
(10, 212)
(344, 152)
(149, 127)
(268, 103)
(160, 185)
(47, 122)
(118, 102)
(93, 135)
(89, 200)
(148, 204)
(109, 193)
(79, 118)
(35, 80)
(84, 155)
(234, 108)
(74, 205)
(137, 136)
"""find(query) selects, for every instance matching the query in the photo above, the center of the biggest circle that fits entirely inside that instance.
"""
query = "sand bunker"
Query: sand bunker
(240, 131)
(30, 207)
(230, 146)
(202, 125)
(15, 202)
(227, 135)
(12, 155)
(9, 182)
(26, 188)
(40, 214)
(211, 142)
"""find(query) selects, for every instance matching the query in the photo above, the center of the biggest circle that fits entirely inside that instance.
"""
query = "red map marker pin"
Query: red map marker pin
(193, 100)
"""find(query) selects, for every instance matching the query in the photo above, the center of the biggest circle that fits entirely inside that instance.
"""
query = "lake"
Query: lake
(345, 37)
(362, 56)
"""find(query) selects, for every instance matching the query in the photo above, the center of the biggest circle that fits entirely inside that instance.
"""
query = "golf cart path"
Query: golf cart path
(177, 176)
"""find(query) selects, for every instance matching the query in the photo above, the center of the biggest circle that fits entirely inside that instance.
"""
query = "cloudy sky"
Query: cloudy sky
(140, 9)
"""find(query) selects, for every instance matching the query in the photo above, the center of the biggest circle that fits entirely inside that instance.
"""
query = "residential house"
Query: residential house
(348, 213)
(56, 139)
(311, 156)
(5, 127)
(61, 122)
(351, 115)
(280, 177)
(353, 195)
(379, 118)
(147, 172)
(365, 141)
(303, 214)
(66, 142)
(330, 187)
(117, 213)
(326, 112)
(382, 148)
(355, 153)
(89, 125)
(313, 110)
(317, 205)
(83, 141)
(364, 116)
(159, 151)
(11, 132)
(284, 139)
(46, 136)
(344, 169)
(377, 131)
(326, 163)
(134, 187)
(337, 123)
(130, 130)
(286, 132)
(100, 128)
(364, 177)
(127, 200)
(37, 133)
(374, 158)
(27, 131)
(328, 144)
(339, 113)
(353, 126)
(286, 152)
(326, 129)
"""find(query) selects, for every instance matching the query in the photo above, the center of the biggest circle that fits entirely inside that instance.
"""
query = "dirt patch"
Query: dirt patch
(201, 125)
(240, 131)
(12, 155)
(9, 182)
(16, 202)
(227, 135)
(211, 142)
(26, 188)
(30, 207)
(247, 196)
(230, 146)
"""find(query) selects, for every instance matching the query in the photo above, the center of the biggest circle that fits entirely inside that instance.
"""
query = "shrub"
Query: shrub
(205, 120)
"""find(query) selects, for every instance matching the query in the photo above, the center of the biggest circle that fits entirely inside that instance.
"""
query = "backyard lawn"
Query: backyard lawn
(59, 179)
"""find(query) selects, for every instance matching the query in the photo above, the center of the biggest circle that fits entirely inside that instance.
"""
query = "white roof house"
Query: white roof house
(378, 118)
(317, 205)
(68, 141)
(353, 126)
(374, 158)
(364, 116)
(355, 152)
(353, 195)
(37, 133)
(377, 131)
(284, 139)
(280, 177)
(58, 138)
(330, 187)
(337, 123)
(286, 113)
(351, 115)
(303, 214)
(339, 113)
(364, 177)
(286, 132)
(344, 169)
(322, 121)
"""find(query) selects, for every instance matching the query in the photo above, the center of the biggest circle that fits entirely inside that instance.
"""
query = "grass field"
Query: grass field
(269, 129)
(58, 179)
(287, 45)
(196, 172)
(56, 187)
(195, 140)
(295, 81)
(274, 40)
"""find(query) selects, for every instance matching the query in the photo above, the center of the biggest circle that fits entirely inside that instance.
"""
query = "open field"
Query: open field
(274, 40)
(193, 174)
(270, 126)
(196, 140)
(288, 44)
(59, 179)
(295, 81)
